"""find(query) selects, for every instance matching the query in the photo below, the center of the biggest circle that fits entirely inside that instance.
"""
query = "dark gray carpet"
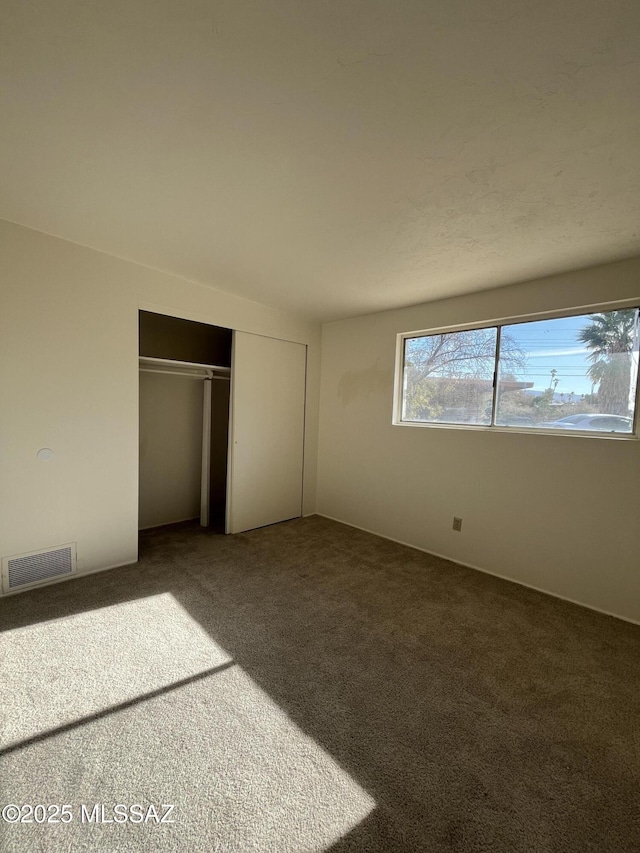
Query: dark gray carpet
(309, 687)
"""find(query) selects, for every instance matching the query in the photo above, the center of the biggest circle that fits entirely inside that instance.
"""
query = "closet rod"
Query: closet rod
(184, 373)
(171, 362)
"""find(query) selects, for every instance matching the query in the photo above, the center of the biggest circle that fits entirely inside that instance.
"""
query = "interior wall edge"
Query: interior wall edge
(489, 572)
(578, 289)
(213, 319)
(66, 578)
(174, 521)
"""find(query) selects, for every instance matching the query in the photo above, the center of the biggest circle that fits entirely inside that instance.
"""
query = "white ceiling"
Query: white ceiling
(330, 157)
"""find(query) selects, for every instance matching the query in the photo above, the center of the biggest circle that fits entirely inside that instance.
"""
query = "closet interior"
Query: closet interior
(185, 370)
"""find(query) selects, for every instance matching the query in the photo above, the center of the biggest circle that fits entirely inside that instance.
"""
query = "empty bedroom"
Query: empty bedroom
(319, 426)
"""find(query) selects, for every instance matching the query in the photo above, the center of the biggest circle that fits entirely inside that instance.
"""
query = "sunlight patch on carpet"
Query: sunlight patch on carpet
(242, 774)
(59, 671)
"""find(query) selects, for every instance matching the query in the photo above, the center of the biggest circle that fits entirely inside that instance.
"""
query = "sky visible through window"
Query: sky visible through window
(554, 345)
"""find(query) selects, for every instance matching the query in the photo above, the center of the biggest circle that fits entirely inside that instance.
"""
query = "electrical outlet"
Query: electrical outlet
(457, 523)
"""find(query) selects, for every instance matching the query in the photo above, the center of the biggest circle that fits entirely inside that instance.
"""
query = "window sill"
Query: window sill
(597, 434)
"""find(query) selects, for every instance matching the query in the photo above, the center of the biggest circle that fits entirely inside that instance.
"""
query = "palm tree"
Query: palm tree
(610, 338)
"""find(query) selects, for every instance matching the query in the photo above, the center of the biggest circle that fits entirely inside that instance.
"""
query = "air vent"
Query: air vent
(26, 570)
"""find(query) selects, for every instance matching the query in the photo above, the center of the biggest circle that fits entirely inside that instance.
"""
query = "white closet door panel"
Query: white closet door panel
(266, 432)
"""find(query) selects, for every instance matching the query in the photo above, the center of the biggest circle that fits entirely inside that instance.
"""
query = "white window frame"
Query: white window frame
(398, 388)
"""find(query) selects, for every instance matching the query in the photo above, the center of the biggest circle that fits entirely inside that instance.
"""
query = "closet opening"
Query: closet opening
(185, 371)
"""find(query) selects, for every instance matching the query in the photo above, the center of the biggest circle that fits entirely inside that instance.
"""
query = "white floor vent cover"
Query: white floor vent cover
(37, 567)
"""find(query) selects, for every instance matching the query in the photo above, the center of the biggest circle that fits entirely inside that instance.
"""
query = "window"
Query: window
(577, 374)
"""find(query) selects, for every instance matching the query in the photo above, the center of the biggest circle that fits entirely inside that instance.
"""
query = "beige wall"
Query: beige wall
(69, 381)
(557, 512)
(170, 461)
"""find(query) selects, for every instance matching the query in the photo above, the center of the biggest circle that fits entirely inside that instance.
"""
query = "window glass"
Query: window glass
(449, 378)
(575, 373)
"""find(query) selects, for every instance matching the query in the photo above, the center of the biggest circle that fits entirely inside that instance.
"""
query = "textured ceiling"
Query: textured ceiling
(330, 157)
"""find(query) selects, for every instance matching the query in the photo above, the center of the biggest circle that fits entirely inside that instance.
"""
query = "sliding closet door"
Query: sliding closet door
(266, 432)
